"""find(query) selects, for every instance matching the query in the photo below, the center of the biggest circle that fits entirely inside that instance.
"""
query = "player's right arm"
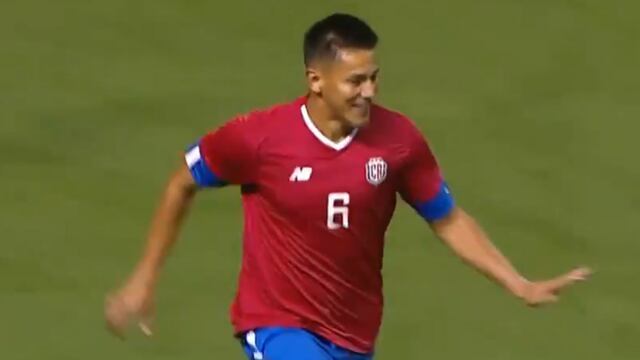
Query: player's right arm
(227, 155)
(135, 300)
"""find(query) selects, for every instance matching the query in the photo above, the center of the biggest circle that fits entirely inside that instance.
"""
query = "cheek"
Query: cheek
(346, 90)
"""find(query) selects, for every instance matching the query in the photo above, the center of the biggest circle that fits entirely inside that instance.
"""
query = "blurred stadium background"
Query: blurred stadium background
(531, 106)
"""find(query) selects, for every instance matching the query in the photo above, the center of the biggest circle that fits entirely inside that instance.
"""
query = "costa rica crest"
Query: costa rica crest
(376, 170)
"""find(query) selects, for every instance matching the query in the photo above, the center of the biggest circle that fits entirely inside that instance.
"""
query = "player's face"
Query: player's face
(349, 84)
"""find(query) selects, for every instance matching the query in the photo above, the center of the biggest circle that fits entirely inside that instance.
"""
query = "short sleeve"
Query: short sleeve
(226, 155)
(421, 183)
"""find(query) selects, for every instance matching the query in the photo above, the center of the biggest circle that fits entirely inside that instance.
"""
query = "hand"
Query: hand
(544, 292)
(133, 302)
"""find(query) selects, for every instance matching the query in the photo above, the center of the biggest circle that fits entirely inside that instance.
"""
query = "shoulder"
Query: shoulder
(267, 119)
(256, 125)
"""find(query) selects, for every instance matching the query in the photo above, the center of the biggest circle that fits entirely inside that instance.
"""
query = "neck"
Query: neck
(325, 121)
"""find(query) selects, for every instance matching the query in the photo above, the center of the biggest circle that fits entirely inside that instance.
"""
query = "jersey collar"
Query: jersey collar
(340, 145)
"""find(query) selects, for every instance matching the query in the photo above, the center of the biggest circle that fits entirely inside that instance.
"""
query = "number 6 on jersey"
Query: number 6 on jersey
(338, 206)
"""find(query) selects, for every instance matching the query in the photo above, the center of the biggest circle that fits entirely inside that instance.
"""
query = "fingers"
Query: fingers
(573, 276)
(119, 314)
(543, 300)
(116, 316)
(546, 292)
(147, 320)
(145, 328)
(580, 274)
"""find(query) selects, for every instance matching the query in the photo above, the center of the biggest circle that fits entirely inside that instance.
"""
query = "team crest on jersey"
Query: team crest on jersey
(376, 170)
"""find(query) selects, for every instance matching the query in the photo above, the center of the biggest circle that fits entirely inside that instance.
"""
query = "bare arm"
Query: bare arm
(467, 239)
(165, 225)
(135, 299)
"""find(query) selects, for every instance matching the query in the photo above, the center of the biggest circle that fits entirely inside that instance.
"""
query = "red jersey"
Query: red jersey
(316, 213)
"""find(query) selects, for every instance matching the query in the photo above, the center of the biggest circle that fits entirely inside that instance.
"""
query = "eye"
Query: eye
(374, 77)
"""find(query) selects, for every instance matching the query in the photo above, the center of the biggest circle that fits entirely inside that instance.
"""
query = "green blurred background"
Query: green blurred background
(531, 106)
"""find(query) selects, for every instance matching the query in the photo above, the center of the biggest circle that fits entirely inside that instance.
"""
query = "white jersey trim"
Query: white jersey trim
(320, 136)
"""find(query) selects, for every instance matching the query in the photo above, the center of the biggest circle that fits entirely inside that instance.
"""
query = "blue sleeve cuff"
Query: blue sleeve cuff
(439, 206)
(202, 175)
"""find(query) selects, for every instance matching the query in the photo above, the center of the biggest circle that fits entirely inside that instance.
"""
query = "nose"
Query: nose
(369, 89)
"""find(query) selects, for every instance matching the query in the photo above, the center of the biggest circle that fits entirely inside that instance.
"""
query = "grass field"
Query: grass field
(531, 106)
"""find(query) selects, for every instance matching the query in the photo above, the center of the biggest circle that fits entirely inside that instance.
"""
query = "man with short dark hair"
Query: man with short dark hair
(319, 178)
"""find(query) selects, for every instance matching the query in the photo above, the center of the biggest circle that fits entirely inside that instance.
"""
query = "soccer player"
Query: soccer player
(319, 178)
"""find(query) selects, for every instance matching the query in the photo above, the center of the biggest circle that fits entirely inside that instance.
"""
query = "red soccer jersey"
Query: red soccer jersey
(315, 215)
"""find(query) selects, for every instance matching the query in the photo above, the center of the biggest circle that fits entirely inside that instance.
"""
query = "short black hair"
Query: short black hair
(327, 36)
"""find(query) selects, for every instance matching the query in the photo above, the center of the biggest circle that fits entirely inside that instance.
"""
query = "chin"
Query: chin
(359, 120)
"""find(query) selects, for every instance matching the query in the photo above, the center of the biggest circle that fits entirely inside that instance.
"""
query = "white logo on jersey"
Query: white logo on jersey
(301, 173)
(376, 170)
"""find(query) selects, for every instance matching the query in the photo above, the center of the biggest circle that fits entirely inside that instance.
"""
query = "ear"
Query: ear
(314, 80)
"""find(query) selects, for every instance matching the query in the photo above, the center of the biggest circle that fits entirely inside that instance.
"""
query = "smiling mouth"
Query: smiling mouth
(363, 105)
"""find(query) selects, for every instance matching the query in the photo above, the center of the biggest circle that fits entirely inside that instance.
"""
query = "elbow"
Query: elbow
(181, 184)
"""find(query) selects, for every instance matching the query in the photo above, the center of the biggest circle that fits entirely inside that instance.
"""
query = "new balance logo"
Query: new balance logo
(301, 173)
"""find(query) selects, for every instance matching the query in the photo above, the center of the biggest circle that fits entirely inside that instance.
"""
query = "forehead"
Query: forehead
(354, 60)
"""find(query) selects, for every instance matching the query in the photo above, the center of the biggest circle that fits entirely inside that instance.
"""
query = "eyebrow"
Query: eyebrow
(363, 75)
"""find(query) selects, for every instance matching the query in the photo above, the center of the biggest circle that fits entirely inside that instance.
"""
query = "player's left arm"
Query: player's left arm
(469, 241)
(424, 188)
